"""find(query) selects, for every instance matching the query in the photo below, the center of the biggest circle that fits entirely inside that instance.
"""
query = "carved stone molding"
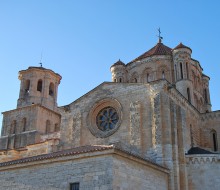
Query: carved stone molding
(206, 159)
(211, 116)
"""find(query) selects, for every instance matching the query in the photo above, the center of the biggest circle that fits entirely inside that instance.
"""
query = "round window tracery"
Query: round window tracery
(107, 119)
(104, 117)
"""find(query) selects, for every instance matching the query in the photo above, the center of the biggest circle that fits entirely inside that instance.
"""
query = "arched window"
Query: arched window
(134, 80)
(13, 127)
(27, 86)
(148, 77)
(56, 127)
(163, 75)
(205, 95)
(181, 70)
(114, 80)
(39, 85)
(214, 140)
(187, 71)
(51, 89)
(120, 80)
(47, 126)
(24, 123)
(188, 95)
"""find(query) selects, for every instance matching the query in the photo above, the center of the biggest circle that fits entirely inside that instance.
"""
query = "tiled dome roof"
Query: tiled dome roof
(182, 46)
(158, 49)
(119, 62)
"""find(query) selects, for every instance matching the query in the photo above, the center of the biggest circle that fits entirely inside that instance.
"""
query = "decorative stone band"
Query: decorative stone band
(202, 159)
(211, 116)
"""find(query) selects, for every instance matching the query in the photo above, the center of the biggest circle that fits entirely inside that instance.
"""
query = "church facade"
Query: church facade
(152, 127)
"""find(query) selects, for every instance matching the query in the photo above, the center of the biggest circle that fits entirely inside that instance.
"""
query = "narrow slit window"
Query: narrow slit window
(56, 127)
(214, 140)
(188, 95)
(148, 77)
(163, 75)
(27, 86)
(24, 123)
(181, 70)
(47, 127)
(39, 85)
(135, 80)
(51, 89)
(13, 127)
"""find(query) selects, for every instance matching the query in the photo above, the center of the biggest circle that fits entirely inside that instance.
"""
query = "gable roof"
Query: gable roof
(158, 49)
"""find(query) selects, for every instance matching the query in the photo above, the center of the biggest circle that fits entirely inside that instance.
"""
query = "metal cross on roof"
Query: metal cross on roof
(159, 36)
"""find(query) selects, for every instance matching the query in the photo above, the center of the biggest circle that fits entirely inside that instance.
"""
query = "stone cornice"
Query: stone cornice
(179, 98)
(202, 159)
(211, 115)
(30, 107)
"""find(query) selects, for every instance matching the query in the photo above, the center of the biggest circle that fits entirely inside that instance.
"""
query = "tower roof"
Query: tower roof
(181, 46)
(119, 62)
(158, 49)
(40, 68)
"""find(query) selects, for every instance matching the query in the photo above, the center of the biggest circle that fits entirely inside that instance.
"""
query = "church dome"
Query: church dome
(158, 49)
(180, 46)
(119, 62)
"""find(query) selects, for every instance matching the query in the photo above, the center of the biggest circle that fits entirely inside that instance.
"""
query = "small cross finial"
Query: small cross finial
(41, 59)
(159, 36)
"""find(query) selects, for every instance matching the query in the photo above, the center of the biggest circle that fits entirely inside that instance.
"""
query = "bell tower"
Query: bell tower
(38, 86)
(36, 114)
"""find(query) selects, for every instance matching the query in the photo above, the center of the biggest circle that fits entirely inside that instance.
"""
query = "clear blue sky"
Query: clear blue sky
(81, 39)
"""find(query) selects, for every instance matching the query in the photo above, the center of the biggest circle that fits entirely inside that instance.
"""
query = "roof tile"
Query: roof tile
(158, 49)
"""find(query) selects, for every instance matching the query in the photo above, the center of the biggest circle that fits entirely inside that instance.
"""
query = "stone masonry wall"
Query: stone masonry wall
(136, 117)
(130, 175)
(108, 170)
(203, 172)
(92, 174)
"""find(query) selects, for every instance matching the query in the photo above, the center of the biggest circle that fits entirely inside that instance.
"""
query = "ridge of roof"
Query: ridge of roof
(158, 49)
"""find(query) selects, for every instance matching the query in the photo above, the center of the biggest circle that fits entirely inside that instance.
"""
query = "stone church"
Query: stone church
(152, 127)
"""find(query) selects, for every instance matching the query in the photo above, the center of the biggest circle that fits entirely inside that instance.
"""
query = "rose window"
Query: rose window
(107, 119)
